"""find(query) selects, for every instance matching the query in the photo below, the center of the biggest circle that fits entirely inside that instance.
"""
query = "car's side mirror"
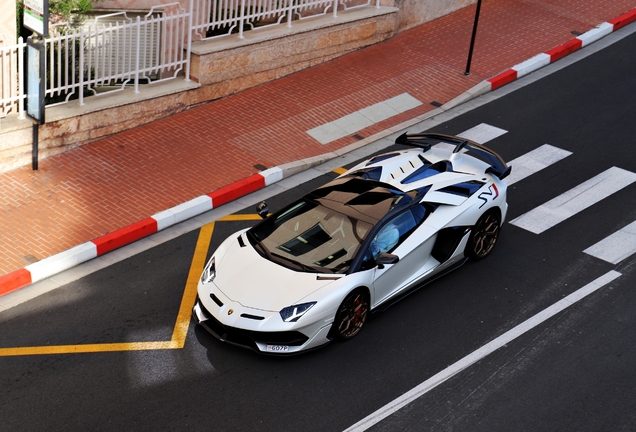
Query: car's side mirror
(386, 258)
(262, 209)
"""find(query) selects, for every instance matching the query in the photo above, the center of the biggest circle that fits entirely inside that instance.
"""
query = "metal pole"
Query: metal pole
(242, 19)
(137, 54)
(22, 99)
(472, 40)
(189, 43)
(34, 149)
(81, 66)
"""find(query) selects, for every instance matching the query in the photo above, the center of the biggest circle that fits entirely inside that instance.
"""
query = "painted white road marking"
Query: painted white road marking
(617, 246)
(365, 117)
(482, 133)
(575, 200)
(482, 352)
(534, 161)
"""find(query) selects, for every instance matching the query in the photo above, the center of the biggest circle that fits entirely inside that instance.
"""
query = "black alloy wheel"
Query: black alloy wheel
(483, 236)
(351, 315)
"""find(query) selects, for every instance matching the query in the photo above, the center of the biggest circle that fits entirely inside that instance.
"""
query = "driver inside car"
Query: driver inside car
(385, 240)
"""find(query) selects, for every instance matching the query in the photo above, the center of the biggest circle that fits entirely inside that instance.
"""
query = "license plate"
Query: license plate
(277, 348)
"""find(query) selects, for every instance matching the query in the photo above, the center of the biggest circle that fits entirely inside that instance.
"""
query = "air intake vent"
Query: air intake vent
(408, 167)
(254, 317)
(464, 189)
(216, 300)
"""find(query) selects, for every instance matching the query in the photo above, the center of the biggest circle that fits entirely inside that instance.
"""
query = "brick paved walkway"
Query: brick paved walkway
(96, 189)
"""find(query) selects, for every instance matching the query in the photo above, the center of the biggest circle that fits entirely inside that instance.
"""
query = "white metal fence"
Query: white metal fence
(114, 51)
(106, 55)
(11, 84)
(223, 17)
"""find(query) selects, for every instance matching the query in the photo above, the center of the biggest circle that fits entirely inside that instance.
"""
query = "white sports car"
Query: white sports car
(313, 271)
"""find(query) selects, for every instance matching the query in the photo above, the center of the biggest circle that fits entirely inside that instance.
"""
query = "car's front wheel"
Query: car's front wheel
(351, 315)
(484, 236)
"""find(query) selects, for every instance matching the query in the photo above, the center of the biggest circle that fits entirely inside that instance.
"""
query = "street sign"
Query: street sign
(36, 16)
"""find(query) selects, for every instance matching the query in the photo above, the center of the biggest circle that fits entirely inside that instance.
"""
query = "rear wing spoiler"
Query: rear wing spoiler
(426, 140)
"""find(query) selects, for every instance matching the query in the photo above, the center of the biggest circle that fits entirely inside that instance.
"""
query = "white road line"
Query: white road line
(575, 200)
(617, 246)
(365, 117)
(482, 352)
(482, 133)
(534, 161)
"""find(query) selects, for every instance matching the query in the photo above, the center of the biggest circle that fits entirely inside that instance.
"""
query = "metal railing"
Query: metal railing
(114, 51)
(105, 56)
(11, 82)
(223, 17)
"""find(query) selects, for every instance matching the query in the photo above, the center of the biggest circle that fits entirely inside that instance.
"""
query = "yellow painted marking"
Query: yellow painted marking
(340, 171)
(240, 217)
(190, 292)
(180, 329)
(88, 348)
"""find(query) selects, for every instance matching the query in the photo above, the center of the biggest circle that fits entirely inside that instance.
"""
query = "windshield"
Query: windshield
(310, 237)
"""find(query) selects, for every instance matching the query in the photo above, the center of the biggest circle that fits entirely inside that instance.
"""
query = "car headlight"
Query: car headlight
(292, 313)
(209, 273)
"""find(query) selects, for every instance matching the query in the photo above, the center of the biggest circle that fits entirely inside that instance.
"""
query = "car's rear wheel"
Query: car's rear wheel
(484, 236)
(351, 315)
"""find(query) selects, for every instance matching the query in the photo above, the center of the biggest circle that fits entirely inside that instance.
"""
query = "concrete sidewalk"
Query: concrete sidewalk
(91, 200)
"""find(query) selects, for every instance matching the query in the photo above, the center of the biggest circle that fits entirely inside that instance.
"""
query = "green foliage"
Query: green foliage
(69, 8)
(19, 10)
(71, 11)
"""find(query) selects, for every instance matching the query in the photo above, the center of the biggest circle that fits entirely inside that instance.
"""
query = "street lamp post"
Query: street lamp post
(472, 39)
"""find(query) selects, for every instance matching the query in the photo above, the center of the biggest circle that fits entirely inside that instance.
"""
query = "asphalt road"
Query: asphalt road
(572, 372)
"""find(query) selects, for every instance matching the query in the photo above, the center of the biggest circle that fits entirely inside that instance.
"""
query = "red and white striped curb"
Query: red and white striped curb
(121, 237)
(544, 59)
(160, 221)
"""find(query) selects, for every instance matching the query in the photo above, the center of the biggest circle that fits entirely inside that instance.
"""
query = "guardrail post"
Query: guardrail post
(81, 67)
(137, 52)
(189, 42)
(241, 19)
(290, 13)
(21, 95)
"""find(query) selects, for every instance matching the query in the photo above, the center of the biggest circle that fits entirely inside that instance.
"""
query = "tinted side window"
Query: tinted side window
(393, 233)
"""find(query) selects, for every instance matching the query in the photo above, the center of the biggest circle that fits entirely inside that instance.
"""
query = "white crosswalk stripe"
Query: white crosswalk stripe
(575, 200)
(525, 165)
(616, 247)
(482, 133)
(535, 161)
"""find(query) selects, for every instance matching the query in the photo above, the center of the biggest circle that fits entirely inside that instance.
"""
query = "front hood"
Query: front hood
(253, 281)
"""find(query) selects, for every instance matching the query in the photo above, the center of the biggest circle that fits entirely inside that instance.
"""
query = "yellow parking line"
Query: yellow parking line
(180, 330)
(87, 348)
(240, 217)
(190, 292)
(340, 171)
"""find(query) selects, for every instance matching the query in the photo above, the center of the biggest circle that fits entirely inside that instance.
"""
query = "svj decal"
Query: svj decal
(492, 193)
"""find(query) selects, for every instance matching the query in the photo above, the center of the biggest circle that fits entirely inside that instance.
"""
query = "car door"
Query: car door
(413, 253)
